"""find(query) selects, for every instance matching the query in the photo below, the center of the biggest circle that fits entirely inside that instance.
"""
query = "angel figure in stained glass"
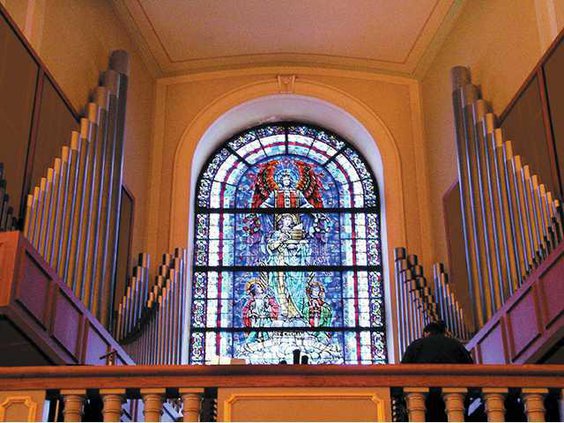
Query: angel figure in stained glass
(288, 184)
(287, 247)
(316, 310)
(260, 309)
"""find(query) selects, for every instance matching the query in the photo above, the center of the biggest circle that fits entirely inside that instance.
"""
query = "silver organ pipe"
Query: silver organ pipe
(150, 317)
(511, 222)
(72, 215)
(419, 302)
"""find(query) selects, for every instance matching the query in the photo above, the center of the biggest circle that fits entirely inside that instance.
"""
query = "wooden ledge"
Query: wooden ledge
(398, 375)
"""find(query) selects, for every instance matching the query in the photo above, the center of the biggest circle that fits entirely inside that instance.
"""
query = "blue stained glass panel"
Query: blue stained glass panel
(230, 170)
(199, 286)
(241, 141)
(302, 288)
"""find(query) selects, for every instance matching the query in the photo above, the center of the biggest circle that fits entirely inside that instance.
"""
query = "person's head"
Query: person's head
(255, 287)
(285, 178)
(286, 221)
(434, 328)
(315, 289)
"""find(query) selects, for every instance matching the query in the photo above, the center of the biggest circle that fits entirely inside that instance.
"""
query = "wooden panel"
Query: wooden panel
(56, 121)
(18, 77)
(528, 335)
(44, 320)
(26, 406)
(553, 71)
(8, 251)
(523, 323)
(329, 404)
(67, 321)
(96, 347)
(492, 346)
(524, 125)
(551, 288)
(457, 271)
(33, 288)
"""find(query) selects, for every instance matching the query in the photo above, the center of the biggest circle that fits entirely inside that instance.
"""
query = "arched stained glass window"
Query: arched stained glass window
(287, 251)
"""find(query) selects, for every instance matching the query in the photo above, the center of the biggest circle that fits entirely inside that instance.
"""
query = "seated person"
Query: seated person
(436, 347)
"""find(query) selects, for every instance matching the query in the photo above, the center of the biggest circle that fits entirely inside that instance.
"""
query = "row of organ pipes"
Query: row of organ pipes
(511, 221)
(8, 220)
(151, 319)
(72, 214)
(418, 303)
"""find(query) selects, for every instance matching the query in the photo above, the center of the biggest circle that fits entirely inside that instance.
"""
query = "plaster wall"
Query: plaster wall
(499, 41)
(74, 39)
(390, 101)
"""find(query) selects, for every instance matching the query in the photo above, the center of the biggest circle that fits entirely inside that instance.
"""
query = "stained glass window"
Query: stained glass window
(287, 251)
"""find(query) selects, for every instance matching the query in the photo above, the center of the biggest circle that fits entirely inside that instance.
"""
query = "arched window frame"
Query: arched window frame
(232, 148)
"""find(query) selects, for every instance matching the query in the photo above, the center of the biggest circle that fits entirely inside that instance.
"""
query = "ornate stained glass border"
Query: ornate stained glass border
(287, 251)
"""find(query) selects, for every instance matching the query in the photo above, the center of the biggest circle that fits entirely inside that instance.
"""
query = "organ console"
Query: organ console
(72, 214)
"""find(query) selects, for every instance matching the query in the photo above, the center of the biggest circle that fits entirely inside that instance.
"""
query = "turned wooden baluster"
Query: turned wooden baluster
(74, 404)
(191, 404)
(495, 403)
(415, 399)
(534, 403)
(153, 404)
(112, 399)
(454, 403)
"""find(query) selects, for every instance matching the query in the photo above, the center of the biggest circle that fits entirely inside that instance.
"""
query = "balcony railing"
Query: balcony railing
(489, 384)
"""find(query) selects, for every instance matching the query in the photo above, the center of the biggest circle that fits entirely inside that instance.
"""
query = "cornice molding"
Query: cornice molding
(415, 65)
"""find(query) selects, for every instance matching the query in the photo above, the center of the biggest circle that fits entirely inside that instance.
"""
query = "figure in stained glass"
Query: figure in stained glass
(285, 184)
(287, 246)
(316, 311)
(287, 251)
(260, 310)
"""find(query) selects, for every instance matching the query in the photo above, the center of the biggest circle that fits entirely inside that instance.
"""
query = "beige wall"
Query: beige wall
(74, 39)
(499, 41)
(391, 101)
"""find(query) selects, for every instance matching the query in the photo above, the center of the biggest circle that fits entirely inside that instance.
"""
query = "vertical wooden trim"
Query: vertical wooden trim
(446, 223)
(549, 132)
(32, 141)
(6, 15)
(128, 192)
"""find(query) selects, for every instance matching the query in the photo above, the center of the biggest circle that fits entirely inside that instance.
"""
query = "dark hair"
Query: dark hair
(435, 328)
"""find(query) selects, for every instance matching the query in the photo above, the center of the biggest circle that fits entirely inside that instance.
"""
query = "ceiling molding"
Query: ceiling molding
(153, 50)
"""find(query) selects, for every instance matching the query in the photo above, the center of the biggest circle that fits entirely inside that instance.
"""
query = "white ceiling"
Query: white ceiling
(183, 36)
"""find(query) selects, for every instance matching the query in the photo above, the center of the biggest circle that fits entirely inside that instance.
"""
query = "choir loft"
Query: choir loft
(247, 211)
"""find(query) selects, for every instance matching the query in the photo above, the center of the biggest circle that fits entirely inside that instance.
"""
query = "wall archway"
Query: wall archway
(310, 102)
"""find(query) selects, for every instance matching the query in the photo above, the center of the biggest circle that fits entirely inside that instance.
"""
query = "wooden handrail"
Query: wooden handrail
(399, 375)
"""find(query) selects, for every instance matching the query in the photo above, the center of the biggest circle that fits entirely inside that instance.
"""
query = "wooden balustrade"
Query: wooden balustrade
(154, 384)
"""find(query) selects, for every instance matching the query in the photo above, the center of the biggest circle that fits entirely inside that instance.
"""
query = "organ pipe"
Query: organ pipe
(150, 317)
(72, 214)
(511, 222)
(419, 303)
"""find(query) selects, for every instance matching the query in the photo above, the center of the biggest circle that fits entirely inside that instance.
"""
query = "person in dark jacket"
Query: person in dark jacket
(436, 347)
